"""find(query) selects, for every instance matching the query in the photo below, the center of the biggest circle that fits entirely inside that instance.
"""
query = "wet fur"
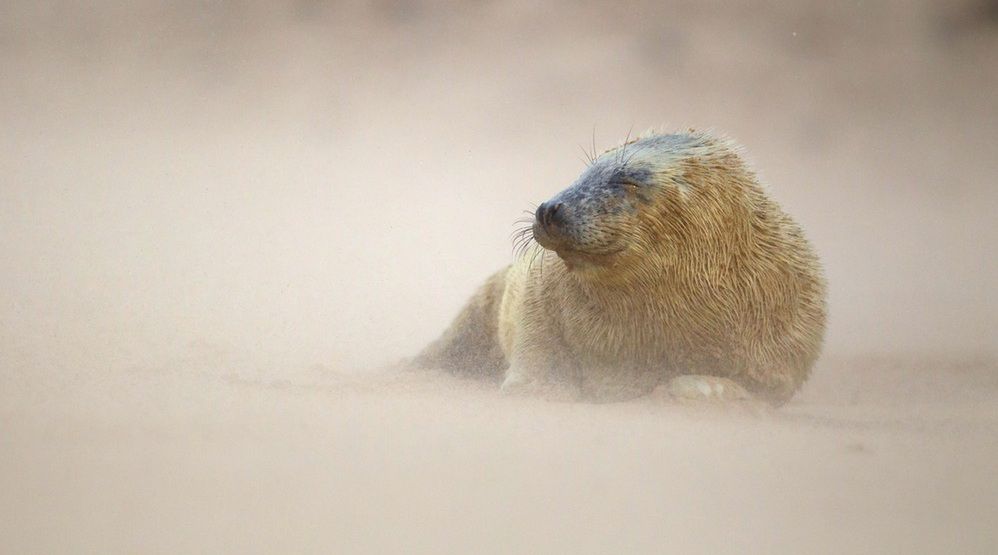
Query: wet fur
(693, 271)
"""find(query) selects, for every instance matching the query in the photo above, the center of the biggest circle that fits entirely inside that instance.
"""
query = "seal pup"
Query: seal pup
(664, 264)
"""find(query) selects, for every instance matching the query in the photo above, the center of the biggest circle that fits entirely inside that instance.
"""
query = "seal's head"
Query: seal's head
(627, 203)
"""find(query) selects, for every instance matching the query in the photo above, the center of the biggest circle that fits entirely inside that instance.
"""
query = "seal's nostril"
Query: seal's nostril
(541, 213)
(555, 213)
(548, 214)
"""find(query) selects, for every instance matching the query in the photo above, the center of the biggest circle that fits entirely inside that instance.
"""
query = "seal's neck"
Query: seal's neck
(621, 279)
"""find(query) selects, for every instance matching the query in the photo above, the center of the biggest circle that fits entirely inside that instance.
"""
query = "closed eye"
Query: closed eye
(631, 186)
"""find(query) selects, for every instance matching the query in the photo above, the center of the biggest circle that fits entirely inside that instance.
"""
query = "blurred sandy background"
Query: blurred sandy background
(219, 220)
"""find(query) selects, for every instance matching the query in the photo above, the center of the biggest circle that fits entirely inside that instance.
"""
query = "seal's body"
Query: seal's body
(664, 259)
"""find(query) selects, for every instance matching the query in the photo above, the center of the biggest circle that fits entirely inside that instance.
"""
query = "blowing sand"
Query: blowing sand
(219, 220)
(195, 457)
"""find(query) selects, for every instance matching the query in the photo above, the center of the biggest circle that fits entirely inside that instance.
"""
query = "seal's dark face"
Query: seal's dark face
(592, 221)
(626, 205)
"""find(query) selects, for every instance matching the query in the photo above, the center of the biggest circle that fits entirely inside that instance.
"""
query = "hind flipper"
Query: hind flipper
(470, 345)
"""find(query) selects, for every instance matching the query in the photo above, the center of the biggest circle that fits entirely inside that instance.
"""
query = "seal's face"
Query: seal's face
(597, 220)
(589, 223)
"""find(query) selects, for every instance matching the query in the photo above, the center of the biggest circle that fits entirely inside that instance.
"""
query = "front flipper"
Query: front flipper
(699, 389)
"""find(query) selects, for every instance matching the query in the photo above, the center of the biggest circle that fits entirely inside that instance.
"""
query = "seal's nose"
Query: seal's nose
(550, 214)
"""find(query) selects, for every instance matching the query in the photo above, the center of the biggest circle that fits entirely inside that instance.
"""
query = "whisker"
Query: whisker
(537, 251)
(623, 148)
(594, 142)
(521, 239)
(527, 246)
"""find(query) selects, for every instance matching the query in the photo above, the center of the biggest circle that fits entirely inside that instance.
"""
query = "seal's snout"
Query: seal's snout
(550, 215)
(550, 224)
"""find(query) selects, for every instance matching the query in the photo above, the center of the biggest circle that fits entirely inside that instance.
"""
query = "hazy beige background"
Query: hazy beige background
(218, 219)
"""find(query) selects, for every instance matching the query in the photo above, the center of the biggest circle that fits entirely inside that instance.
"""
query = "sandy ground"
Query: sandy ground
(196, 457)
(218, 221)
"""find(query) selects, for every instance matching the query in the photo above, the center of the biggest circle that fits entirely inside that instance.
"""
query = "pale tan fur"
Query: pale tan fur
(716, 280)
